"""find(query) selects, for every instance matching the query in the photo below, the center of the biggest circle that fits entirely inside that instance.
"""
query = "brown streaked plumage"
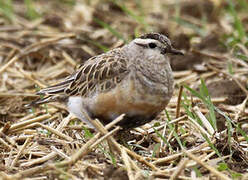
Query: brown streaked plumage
(135, 79)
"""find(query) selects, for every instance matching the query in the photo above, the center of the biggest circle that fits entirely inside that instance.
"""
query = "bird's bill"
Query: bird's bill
(175, 51)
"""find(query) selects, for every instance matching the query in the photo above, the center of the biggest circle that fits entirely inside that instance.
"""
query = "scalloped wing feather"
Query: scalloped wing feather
(99, 73)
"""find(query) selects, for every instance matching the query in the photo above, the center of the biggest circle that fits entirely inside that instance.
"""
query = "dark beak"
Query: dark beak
(175, 51)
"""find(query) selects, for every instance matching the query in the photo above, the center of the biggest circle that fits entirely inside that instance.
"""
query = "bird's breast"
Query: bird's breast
(128, 97)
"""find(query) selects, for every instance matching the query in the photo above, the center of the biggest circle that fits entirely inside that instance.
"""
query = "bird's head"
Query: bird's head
(152, 45)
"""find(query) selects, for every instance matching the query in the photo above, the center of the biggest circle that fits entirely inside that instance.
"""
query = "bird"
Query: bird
(135, 79)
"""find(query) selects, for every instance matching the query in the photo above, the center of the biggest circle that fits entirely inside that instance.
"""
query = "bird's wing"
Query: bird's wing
(99, 73)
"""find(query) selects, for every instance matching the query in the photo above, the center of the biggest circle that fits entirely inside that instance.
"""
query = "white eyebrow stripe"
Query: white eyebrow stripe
(145, 42)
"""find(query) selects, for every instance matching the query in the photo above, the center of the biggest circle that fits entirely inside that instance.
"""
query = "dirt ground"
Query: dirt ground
(202, 134)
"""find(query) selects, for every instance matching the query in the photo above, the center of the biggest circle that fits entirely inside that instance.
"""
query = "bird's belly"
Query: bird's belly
(126, 99)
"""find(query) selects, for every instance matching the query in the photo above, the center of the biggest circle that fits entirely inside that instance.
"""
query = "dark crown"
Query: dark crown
(159, 37)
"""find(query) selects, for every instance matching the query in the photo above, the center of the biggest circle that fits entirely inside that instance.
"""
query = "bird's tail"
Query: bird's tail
(55, 89)
(52, 93)
(51, 98)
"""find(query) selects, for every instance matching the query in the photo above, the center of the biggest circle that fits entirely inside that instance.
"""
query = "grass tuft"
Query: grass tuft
(6, 8)
(31, 12)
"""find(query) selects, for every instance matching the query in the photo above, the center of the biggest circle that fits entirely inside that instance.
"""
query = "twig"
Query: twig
(88, 145)
(179, 101)
(174, 156)
(180, 167)
(210, 168)
(141, 159)
(39, 160)
(20, 152)
(69, 59)
(204, 120)
(27, 122)
(33, 48)
(127, 164)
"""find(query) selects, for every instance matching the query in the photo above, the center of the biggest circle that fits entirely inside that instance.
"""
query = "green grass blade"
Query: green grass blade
(243, 4)
(237, 22)
(155, 149)
(138, 19)
(187, 24)
(204, 96)
(211, 145)
(112, 30)
(232, 124)
(242, 57)
(6, 8)
(172, 128)
(97, 44)
(87, 133)
(31, 12)
(230, 68)
(163, 139)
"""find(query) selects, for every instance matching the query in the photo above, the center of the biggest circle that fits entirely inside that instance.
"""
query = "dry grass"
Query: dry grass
(41, 42)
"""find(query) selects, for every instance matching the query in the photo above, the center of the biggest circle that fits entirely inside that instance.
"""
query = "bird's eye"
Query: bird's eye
(152, 45)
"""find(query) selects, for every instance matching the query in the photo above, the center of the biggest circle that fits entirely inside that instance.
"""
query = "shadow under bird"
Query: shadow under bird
(135, 80)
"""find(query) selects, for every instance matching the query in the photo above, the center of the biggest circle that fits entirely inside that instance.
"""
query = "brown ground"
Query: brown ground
(37, 50)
